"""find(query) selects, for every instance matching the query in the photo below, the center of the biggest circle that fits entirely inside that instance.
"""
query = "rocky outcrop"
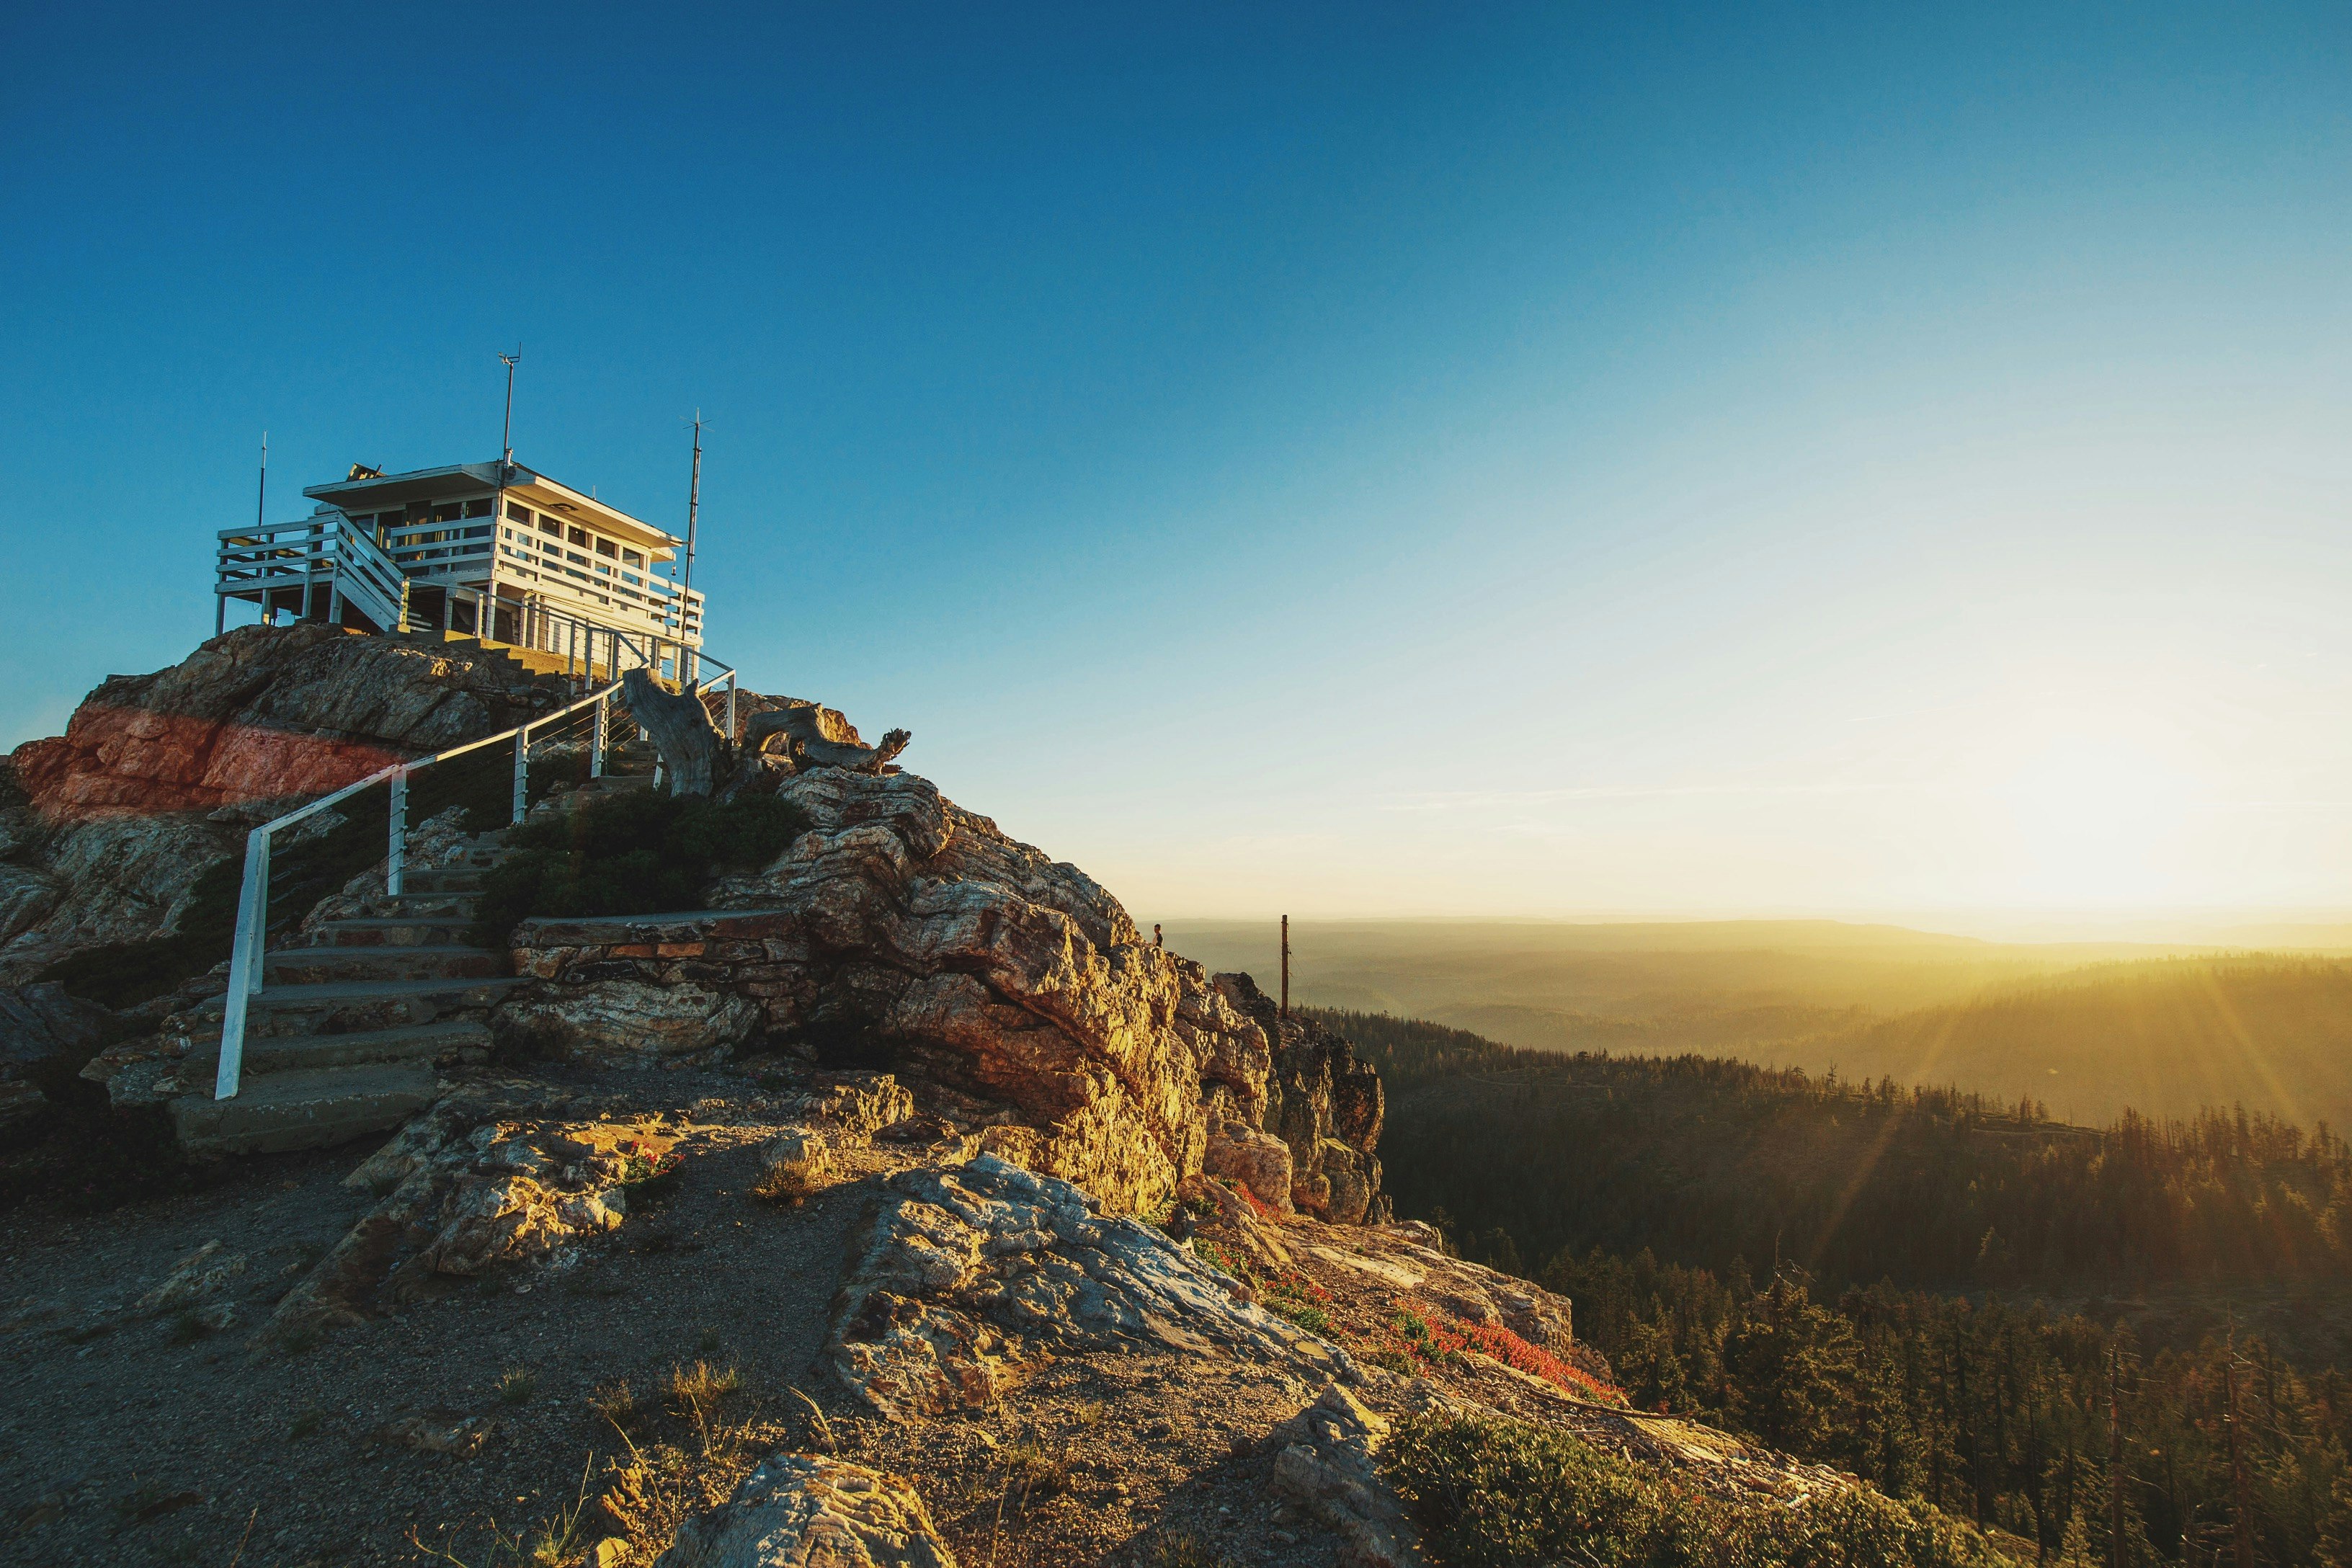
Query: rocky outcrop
(902, 926)
(104, 830)
(1327, 1108)
(806, 1511)
(969, 1275)
(265, 713)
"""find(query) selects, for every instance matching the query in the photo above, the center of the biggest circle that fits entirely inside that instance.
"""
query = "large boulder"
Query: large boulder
(808, 1510)
(970, 1276)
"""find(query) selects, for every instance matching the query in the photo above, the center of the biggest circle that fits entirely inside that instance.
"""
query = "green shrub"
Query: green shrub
(631, 854)
(1489, 1492)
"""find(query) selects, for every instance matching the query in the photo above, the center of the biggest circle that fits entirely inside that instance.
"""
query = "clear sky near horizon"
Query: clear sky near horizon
(1360, 460)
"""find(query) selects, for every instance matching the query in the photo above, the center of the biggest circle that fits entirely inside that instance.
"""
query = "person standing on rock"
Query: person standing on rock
(1155, 935)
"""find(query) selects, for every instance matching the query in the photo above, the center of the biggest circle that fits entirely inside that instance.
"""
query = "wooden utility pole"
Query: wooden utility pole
(2115, 1462)
(2242, 1515)
(1286, 966)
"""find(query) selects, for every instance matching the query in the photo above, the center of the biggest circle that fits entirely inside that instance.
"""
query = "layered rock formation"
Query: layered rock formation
(104, 829)
(902, 926)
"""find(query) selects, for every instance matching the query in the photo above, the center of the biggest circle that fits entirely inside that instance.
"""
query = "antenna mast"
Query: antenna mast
(261, 512)
(686, 593)
(506, 437)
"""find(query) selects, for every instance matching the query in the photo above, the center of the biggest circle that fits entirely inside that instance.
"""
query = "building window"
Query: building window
(519, 512)
(606, 547)
(482, 532)
(448, 513)
(631, 558)
(479, 507)
(575, 536)
(575, 558)
(549, 525)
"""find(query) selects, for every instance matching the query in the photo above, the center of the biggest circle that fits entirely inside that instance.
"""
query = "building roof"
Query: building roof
(377, 492)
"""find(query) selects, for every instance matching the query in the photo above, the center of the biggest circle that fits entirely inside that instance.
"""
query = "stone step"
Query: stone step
(618, 783)
(465, 879)
(273, 1112)
(445, 929)
(416, 906)
(326, 966)
(455, 1040)
(345, 1007)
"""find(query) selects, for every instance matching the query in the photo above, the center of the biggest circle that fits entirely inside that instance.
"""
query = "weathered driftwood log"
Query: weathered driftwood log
(695, 756)
(807, 745)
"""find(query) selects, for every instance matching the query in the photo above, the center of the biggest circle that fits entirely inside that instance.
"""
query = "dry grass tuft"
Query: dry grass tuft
(618, 1405)
(700, 1389)
(1036, 1473)
(516, 1385)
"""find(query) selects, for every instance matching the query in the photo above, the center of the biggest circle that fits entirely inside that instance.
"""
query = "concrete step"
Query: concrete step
(345, 1007)
(447, 930)
(273, 1112)
(326, 966)
(455, 1040)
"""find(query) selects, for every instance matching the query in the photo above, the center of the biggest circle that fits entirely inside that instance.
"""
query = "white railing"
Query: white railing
(326, 548)
(248, 954)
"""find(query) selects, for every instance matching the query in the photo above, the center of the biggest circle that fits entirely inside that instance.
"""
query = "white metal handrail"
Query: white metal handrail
(250, 951)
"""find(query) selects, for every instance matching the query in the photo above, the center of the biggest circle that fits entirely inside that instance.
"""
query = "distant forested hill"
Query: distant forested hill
(1708, 1161)
(2166, 1038)
(2087, 1030)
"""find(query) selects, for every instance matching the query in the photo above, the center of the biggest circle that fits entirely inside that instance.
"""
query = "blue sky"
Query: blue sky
(1354, 459)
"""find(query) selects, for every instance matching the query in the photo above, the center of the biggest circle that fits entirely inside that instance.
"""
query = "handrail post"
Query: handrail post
(521, 770)
(395, 854)
(731, 707)
(597, 746)
(244, 962)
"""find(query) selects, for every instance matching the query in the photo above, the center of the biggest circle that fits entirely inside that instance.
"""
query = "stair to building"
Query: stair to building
(346, 1033)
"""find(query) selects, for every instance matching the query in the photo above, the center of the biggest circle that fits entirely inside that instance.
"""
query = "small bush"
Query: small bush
(516, 1385)
(1488, 1492)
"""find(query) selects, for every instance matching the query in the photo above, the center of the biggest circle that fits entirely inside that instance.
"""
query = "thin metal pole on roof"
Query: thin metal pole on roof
(506, 437)
(486, 614)
(260, 512)
(687, 679)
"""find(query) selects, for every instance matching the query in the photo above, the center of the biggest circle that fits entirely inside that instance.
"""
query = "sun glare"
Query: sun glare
(2097, 823)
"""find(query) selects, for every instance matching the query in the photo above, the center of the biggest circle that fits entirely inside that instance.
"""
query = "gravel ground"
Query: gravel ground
(124, 1440)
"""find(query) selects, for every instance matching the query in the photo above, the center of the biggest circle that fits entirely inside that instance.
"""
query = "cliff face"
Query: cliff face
(104, 829)
(902, 926)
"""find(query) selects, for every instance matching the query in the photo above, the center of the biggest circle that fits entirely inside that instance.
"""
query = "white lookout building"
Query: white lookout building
(489, 551)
